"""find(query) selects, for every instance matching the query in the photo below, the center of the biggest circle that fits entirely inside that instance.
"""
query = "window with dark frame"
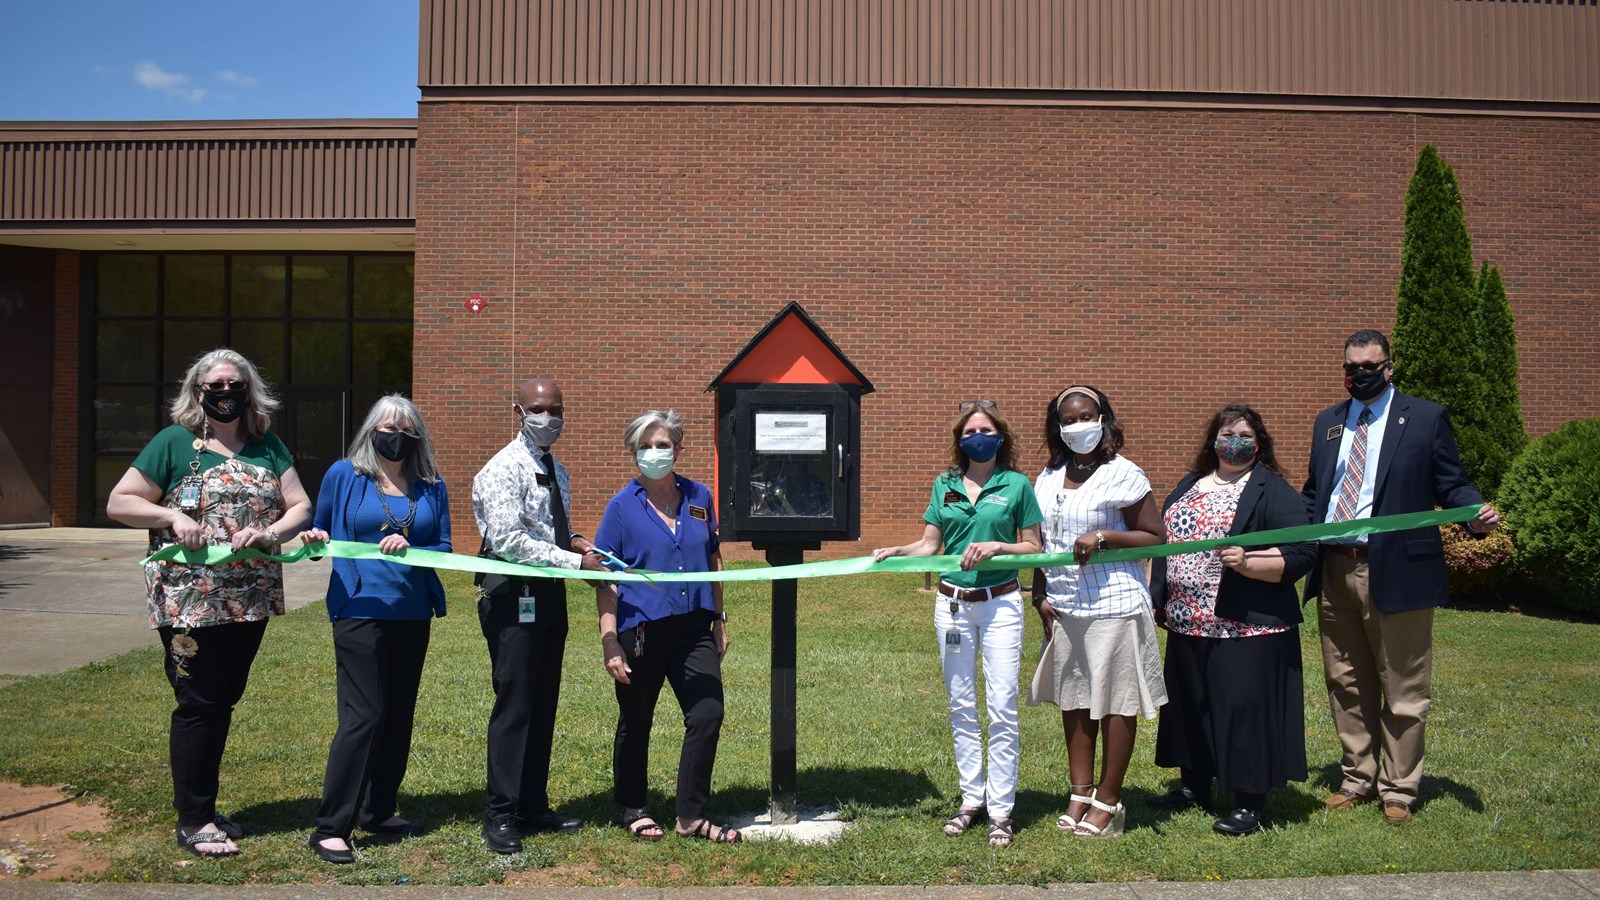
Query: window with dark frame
(331, 332)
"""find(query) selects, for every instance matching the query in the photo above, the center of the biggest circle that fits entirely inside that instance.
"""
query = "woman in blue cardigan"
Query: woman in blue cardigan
(388, 492)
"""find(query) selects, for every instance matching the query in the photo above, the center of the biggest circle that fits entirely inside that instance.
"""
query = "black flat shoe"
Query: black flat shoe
(402, 828)
(330, 855)
(1238, 823)
(549, 821)
(1179, 797)
(501, 835)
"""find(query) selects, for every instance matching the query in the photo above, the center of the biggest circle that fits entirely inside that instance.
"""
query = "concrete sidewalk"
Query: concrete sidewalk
(1442, 886)
(72, 596)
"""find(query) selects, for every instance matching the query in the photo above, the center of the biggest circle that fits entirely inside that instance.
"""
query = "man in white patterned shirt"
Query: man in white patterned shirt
(519, 499)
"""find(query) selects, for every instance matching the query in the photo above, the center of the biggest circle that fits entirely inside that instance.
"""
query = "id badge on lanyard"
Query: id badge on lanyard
(189, 487)
(526, 611)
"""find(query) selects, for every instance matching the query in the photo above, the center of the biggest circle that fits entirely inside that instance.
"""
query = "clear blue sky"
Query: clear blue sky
(219, 59)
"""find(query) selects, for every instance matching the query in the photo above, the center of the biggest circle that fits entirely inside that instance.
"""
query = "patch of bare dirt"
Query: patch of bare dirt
(36, 824)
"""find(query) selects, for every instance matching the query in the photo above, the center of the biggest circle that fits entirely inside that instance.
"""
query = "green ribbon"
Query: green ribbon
(213, 555)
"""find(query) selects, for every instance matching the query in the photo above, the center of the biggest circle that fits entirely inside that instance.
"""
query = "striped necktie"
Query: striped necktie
(1355, 469)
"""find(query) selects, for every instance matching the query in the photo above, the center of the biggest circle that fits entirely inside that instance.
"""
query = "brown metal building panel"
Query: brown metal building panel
(66, 172)
(1435, 49)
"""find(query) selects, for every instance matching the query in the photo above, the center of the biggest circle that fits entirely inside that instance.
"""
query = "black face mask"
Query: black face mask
(225, 406)
(1364, 385)
(393, 445)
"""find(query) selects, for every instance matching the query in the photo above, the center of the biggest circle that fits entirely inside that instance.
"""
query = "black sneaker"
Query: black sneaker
(1238, 823)
(501, 835)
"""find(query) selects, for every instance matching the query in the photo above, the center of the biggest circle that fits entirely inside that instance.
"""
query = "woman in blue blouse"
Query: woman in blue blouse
(676, 632)
(388, 492)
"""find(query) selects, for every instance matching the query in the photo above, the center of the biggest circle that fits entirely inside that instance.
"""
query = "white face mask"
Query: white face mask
(653, 462)
(1082, 437)
(541, 430)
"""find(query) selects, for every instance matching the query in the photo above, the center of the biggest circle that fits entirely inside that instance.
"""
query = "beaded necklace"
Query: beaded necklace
(390, 523)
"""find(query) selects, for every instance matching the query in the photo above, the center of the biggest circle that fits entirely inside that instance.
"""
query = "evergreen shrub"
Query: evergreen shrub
(1551, 500)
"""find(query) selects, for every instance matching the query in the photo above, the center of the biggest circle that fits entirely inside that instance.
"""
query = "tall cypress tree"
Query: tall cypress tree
(1501, 401)
(1436, 354)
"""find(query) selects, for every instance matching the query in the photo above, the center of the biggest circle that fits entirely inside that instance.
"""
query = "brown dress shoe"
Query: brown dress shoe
(1396, 812)
(1345, 798)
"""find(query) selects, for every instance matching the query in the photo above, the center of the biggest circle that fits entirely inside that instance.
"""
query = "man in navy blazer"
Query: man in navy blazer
(1381, 453)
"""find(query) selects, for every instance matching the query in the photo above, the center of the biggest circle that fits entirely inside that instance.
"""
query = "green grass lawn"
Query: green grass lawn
(1511, 783)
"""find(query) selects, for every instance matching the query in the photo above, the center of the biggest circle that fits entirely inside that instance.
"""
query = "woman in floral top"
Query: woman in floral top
(1236, 708)
(215, 476)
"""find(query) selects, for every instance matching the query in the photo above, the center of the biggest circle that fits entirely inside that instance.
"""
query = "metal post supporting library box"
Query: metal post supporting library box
(788, 441)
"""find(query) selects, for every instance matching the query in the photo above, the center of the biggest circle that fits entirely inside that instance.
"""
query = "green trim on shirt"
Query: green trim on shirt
(166, 458)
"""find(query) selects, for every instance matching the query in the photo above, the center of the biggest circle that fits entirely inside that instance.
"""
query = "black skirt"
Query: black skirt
(1235, 710)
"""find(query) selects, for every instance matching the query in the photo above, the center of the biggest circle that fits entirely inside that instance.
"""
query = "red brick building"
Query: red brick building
(1184, 204)
(980, 200)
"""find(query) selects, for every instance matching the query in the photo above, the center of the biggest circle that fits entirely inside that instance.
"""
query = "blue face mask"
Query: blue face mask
(981, 447)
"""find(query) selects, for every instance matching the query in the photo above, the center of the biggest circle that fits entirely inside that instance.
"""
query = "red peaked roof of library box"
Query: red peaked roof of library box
(791, 349)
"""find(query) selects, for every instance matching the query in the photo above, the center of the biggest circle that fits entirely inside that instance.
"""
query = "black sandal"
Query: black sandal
(640, 822)
(716, 834)
(957, 825)
(192, 842)
(1000, 832)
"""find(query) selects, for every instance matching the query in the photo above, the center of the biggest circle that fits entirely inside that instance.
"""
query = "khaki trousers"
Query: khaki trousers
(1378, 668)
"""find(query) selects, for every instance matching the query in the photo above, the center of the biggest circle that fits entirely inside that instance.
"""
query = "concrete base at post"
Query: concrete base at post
(817, 825)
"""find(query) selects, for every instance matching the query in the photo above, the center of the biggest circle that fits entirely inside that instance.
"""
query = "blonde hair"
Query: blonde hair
(420, 466)
(186, 410)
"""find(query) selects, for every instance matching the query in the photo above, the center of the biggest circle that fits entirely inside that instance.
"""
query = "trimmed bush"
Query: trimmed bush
(1436, 353)
(1480, 567)
(1551, 500)
(1503, 431)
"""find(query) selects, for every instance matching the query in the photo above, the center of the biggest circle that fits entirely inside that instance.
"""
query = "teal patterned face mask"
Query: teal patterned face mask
(1236, 449)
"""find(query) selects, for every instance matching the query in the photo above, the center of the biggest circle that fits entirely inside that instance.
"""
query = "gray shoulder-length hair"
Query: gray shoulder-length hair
(397, 409)
(647, 421)
(187, 411)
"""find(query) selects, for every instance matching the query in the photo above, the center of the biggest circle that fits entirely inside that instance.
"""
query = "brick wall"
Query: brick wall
(1177, 259)
(64, 395)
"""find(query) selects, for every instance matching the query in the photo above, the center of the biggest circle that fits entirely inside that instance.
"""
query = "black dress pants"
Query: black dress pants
(526, 664)
(679, 649)
(216, 677)
(379, 664)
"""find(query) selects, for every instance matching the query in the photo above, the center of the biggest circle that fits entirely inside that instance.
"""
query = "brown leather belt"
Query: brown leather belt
(1350, 550)
(978, 595)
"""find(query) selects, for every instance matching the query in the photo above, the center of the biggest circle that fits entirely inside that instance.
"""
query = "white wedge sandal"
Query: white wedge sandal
(1119, 818)
(1065, 821)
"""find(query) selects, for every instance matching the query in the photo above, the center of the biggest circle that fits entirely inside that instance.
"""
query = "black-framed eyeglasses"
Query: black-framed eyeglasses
(979, 404)
(219, 386)
(1350, 368)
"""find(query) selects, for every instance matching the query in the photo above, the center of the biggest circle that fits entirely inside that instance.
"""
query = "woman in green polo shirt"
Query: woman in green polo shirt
(981, 507)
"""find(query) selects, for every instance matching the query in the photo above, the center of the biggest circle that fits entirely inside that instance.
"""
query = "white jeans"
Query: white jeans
(994, 629)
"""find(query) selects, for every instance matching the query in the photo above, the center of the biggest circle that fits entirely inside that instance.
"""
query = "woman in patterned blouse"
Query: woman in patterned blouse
(215, 476)
(1237, 708)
